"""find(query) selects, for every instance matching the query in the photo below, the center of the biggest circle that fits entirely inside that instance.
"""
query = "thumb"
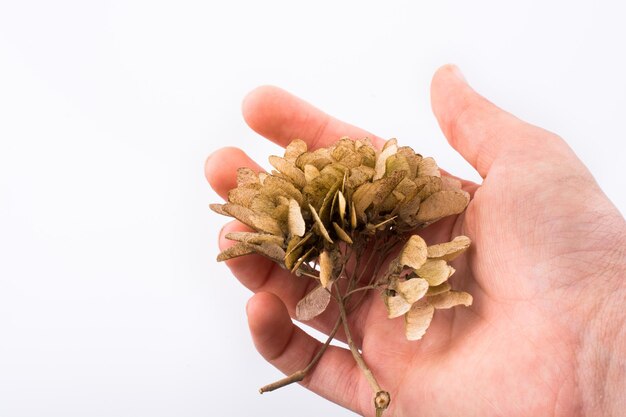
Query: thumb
(479, 130)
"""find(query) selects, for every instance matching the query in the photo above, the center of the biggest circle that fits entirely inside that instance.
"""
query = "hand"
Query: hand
(545, 335)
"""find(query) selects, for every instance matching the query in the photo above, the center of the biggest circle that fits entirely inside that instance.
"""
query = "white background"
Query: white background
(111, 302)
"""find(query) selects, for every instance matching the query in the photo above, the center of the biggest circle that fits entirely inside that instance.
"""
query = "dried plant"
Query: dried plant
(349, 202)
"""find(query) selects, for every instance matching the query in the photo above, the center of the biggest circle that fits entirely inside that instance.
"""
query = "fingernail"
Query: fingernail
(457, 72)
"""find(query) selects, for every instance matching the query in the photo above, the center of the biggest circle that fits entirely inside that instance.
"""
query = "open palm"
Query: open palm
(544, 270)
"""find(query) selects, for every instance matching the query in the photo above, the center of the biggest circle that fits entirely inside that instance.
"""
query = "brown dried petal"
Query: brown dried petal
(302, 259)
(219, 209)
(412, 159)
(385, 186)
(297, 226)
(341, 202)
(389, 149)
(450, 299)
(438, 289)
(289, 169)
(397, 162)
(238, 249)
(413, 253)
(353, 219)
(275, 186)
(313, 304)
(427, 186)
(336, 169)
(294, 250)
(442, 204)
(295, 148)
(246, 176)
(341, 234)
(367, 152)
(390, 142)
(396, 305)
(326, 268)
(417, 319)
(272, 251)
(407, 210)
(317, 190)
(359, 175)
(320, 226)
(318, 158)
(435, 271)
(244, 195)
(449, 250)
(428, 167)
(362, 199)
(412, 289)
(266, 224)
(255, 238)
(406, 186)
(310, 173)
(241, 213)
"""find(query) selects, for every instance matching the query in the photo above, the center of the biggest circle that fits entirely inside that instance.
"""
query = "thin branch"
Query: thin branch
(381, 398)
(301, 374)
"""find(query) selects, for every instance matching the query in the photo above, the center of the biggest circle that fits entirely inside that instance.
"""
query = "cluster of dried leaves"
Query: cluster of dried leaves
(336, 214)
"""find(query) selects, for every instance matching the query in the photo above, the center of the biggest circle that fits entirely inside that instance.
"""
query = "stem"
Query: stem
(301, 374)
(368, 287)
(381, 398)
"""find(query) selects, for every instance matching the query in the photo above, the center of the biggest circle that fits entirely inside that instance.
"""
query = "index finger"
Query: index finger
(282, 117)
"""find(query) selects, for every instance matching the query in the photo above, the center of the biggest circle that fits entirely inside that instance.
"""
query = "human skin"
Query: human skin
(546, 334)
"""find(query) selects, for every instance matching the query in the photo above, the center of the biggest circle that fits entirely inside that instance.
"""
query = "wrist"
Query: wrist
(602, 357)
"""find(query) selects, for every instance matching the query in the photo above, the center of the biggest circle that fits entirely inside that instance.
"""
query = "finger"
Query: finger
(287, 347)
(283, 117)
(220, 169)
(260, 274)
(475, 127)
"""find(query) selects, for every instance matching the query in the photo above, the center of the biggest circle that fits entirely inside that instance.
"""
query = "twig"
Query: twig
(381, 398)
(301, 374)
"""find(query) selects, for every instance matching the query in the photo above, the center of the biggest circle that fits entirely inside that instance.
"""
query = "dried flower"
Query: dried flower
(320, 208)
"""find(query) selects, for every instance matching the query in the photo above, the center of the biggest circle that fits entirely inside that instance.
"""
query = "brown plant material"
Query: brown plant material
(335, 215)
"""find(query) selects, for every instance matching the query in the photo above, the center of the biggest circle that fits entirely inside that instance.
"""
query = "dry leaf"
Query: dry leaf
(297, 226)
(450, 299)
(390, 149)
(438, 289)
(294, 267)
(272, 251)
(427, 167)
(255, 238)
(295, 148)
(396, 305)
(265, 223)
(238, 249)
(289, 169)
(246, 176)
(313, 304)
(341, 234)
(442, 204)
(450, 250)
(417, 319)
(310, 173)
(413, 253)
(435, 271)
(273, 185)
(244, 195)
(412, 289)
(326, 268)
(341, 201)
(219, 209)
(320, 225)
